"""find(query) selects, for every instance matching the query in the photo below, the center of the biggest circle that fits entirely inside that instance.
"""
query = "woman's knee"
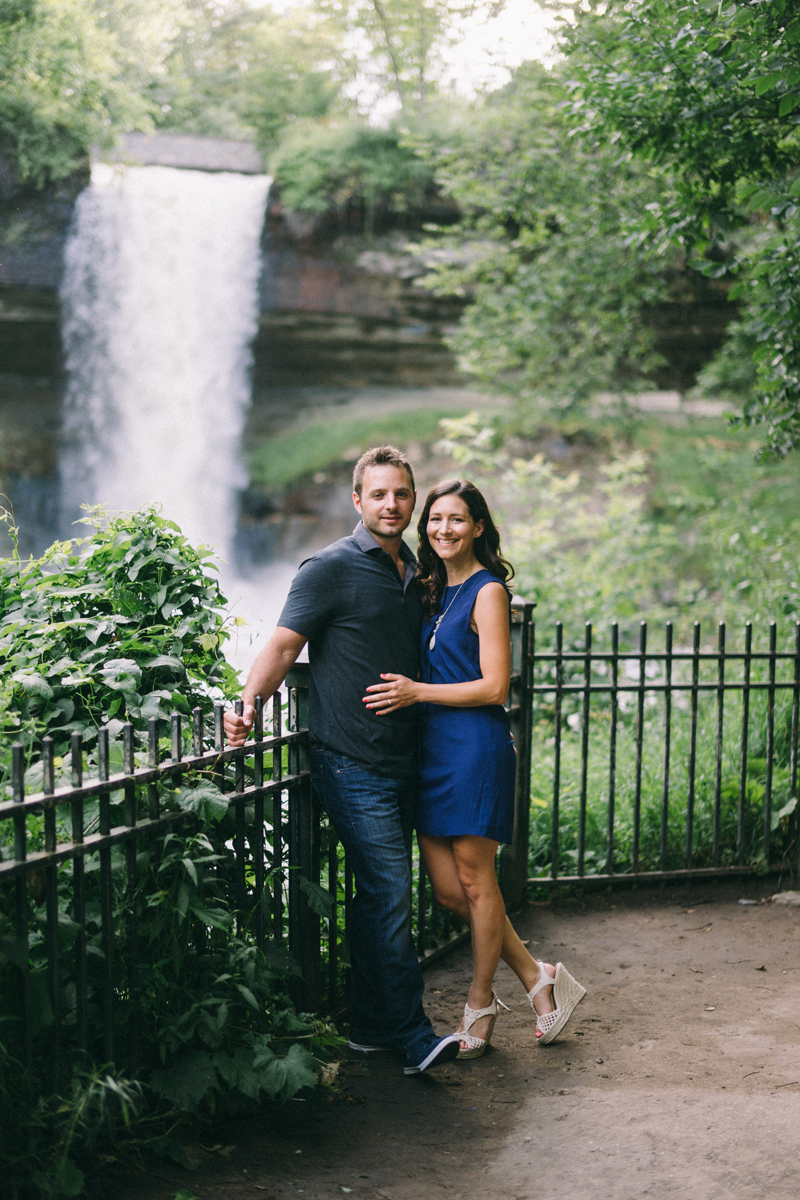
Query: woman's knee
(477, 883)
(453, 899)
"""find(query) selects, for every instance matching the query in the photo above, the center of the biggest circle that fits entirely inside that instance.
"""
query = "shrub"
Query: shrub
(126, 625)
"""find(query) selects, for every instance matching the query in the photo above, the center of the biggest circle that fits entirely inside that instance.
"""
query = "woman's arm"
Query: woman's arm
(490, 616)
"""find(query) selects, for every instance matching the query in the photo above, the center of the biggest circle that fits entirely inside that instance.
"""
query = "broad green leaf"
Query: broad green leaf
(165, 661)
(248, 996)
(33, 684)
(762, 200)
(67, 1179)
(288, 1075)
(187, 1081)
(238, 1071)
(215, 918)
(319, 899)
(787, 104)
(207, 801)
(156, 704)
(786, 811)
(768, 81)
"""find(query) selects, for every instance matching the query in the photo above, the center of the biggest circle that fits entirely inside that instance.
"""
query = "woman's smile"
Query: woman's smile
(452, 531)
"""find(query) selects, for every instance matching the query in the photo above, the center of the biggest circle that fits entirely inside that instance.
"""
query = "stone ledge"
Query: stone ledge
(193, 153)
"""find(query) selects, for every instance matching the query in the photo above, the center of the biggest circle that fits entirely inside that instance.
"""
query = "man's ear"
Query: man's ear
(357, 501)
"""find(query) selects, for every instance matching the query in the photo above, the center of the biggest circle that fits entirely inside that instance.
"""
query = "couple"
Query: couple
(406, 656)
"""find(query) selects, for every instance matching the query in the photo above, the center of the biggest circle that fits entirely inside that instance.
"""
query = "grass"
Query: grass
(707, 462)
(318, 446)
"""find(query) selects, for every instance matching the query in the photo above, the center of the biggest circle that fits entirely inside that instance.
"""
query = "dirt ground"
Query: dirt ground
(679, 1075)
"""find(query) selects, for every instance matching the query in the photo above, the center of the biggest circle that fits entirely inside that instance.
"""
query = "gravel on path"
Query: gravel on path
(678, 1075)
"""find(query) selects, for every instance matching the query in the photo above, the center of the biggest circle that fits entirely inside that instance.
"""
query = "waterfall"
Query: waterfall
(160, 304)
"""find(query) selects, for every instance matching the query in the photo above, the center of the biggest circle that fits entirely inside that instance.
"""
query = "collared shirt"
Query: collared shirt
(361, 620)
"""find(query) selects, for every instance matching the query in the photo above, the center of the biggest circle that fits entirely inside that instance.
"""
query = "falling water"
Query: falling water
(160, 300)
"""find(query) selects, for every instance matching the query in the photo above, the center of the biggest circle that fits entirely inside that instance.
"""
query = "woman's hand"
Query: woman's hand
(396, 692)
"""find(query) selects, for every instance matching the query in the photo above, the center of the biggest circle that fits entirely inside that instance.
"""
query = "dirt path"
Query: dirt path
(680, 1075)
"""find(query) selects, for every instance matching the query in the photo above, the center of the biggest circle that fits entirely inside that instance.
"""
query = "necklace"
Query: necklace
(441, 617)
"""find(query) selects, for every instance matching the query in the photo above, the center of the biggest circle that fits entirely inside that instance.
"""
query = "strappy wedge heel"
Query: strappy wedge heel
(567, 995)
(475, 1045)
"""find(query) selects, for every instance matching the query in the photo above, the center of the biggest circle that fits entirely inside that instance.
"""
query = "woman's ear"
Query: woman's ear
(479, 528)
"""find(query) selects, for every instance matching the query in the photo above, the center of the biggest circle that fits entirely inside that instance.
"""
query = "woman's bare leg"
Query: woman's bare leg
(441, 864)
(474, 859)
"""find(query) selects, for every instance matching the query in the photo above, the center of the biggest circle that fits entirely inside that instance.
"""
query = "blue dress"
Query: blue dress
(467, 759)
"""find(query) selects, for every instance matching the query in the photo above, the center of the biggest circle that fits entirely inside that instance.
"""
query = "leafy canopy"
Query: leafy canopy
(548, 250)
(324, 167)
(711, 92)
(77, 74)
(62, 86)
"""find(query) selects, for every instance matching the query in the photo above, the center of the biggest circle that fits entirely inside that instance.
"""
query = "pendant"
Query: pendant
(432, 641)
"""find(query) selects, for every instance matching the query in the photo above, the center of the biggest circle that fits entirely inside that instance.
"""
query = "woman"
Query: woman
(467, 762)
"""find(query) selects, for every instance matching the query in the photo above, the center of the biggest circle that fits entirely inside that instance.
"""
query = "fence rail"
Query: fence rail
(651, 771)
(694, 711)
(143, 818)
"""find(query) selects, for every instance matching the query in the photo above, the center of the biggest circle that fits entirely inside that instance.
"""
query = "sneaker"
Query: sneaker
(441, 1050)
(365, 1047)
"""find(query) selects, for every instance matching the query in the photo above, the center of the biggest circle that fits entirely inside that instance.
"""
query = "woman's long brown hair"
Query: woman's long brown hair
(432, 573)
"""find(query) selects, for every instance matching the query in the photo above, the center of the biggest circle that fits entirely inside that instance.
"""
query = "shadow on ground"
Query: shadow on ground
(679, 1075)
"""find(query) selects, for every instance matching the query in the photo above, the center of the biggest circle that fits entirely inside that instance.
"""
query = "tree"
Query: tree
(396, 45)
(559, 283)
(240, 71)
(63, 86)
(324, 168)
(711, 92)
(77, 74)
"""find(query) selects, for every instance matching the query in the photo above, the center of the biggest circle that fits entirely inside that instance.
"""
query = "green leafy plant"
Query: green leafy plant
(350, 166)
(124, 625)
(549, 252)
(709, 93)
(47, 1140)
(593, 548)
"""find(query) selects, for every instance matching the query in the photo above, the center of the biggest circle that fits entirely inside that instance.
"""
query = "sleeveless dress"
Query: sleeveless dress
(467, 759)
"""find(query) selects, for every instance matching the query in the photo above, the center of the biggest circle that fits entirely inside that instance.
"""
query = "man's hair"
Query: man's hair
(380, 456)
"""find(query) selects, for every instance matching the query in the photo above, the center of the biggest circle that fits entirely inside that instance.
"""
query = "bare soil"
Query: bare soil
(679, 1075)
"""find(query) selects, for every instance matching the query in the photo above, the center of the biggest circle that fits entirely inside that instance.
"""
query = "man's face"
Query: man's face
(387, 501)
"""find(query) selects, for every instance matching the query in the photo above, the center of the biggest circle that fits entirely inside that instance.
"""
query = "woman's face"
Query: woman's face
(452, 530)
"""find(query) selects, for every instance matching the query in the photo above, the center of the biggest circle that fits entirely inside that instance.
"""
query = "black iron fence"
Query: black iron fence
(651, 762)
(86, 834)
(632, 763)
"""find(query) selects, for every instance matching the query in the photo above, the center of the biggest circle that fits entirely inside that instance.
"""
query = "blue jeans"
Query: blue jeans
(372, 817)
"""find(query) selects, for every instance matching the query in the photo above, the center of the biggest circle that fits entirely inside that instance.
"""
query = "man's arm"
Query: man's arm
(266, 676)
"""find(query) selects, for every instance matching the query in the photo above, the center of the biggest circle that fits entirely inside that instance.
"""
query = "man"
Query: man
(357, 605)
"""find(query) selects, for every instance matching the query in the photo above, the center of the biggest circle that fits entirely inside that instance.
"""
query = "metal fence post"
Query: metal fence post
(304, 848)
(514, 858)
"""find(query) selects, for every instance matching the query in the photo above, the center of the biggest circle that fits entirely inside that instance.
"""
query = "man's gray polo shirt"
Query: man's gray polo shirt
(360, 620)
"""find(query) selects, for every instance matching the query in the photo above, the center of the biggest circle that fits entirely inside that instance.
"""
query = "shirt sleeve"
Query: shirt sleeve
(313, 598)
